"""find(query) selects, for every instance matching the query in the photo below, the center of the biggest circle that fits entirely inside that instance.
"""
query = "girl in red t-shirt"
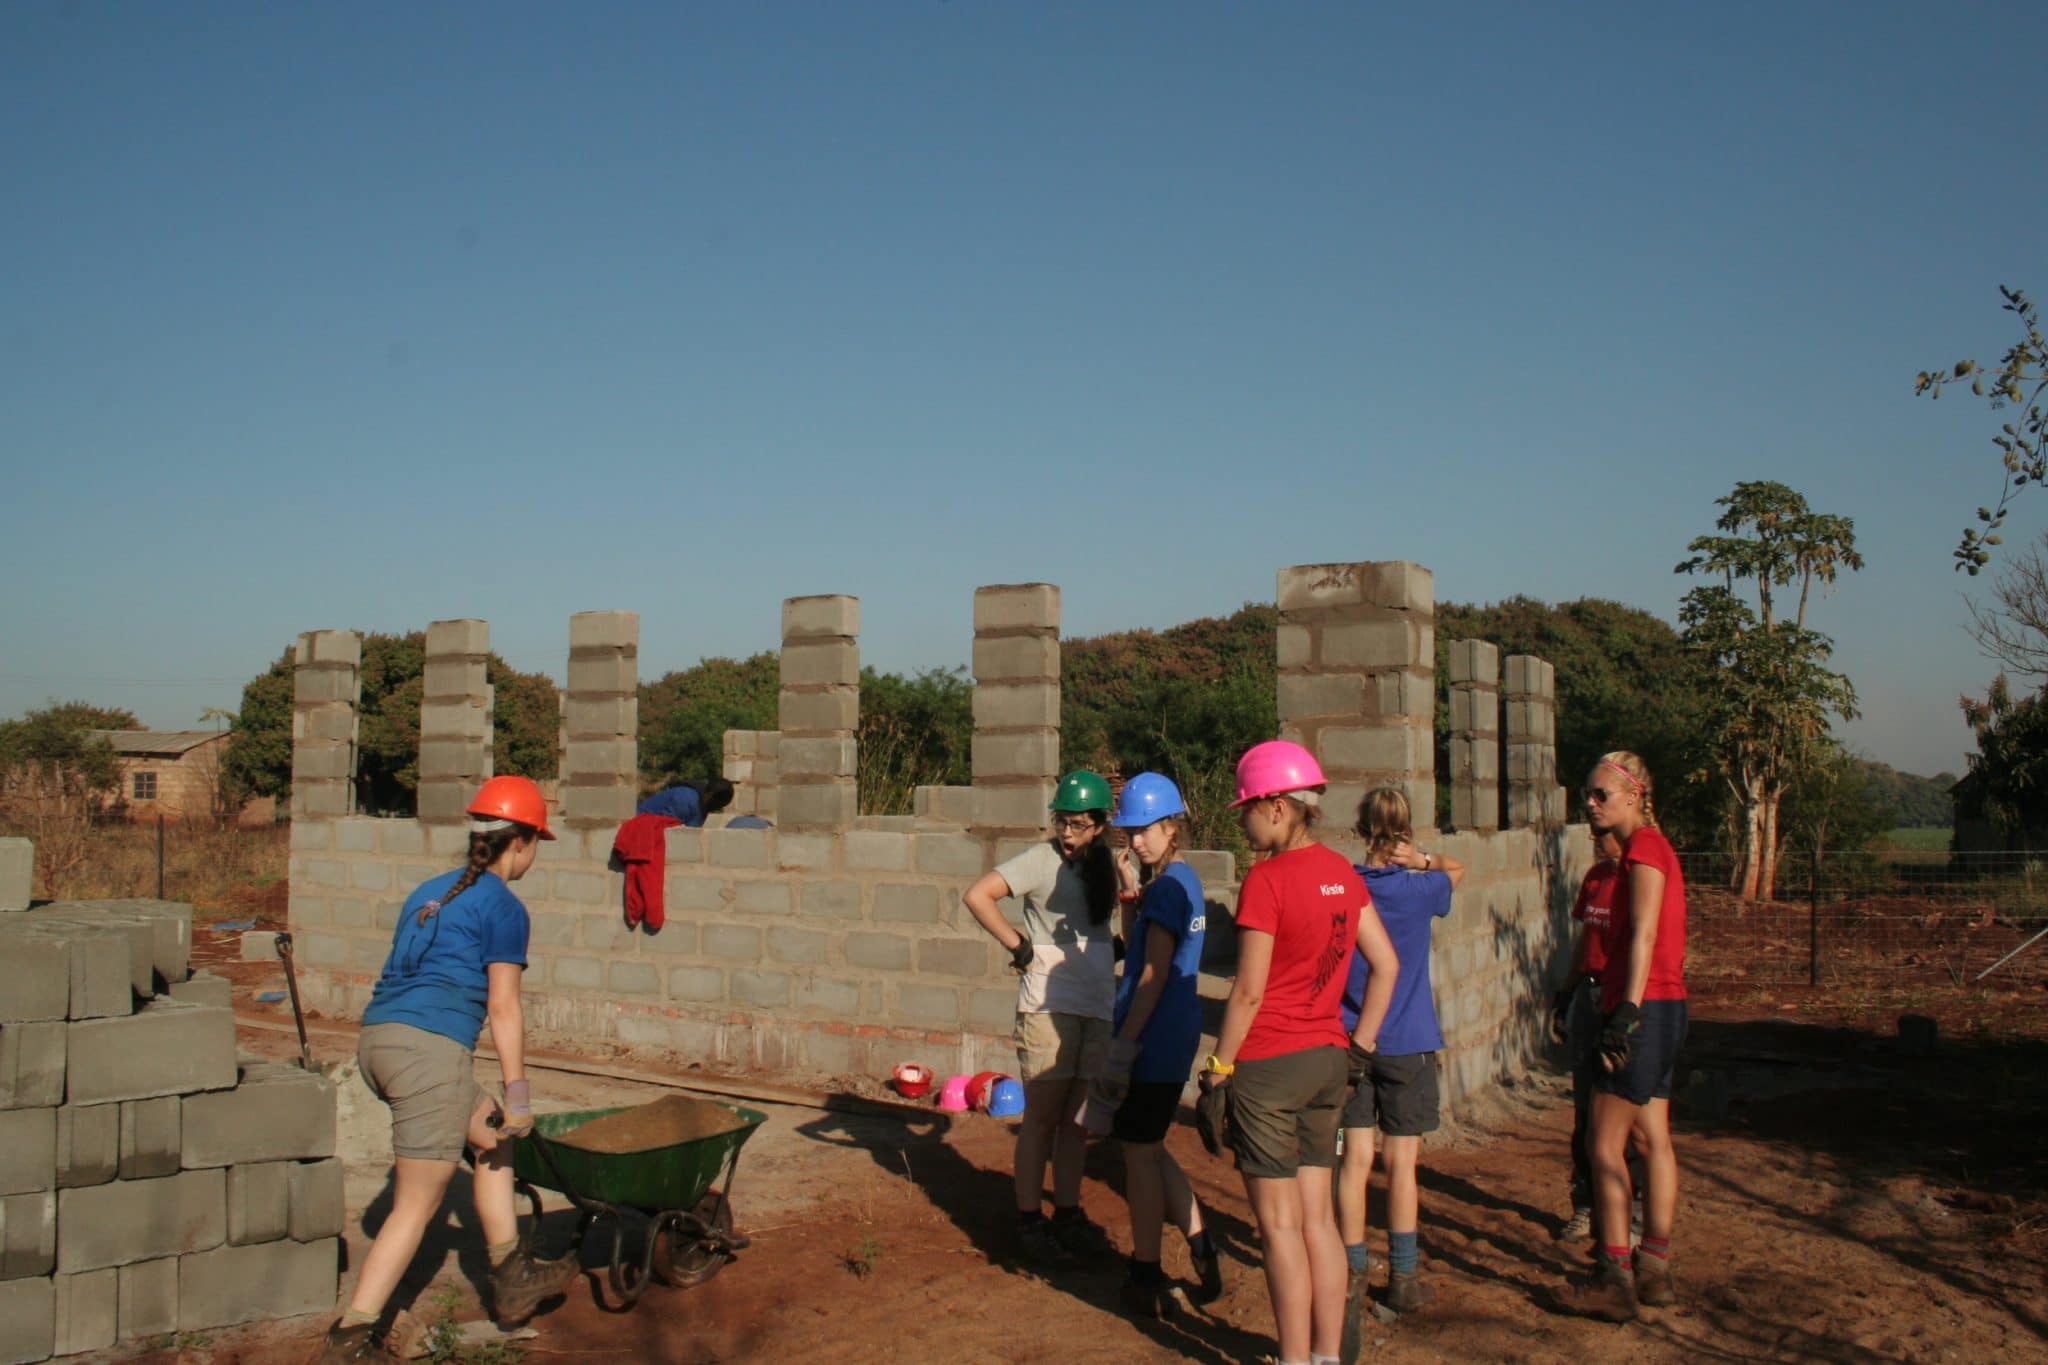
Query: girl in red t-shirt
(1642, 991)
(1281, 1064)
(1576, 1017)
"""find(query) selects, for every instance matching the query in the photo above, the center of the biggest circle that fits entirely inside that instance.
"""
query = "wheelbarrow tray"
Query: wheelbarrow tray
(672, 1177)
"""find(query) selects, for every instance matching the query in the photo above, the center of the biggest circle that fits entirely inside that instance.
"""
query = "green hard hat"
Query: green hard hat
(1082, 790)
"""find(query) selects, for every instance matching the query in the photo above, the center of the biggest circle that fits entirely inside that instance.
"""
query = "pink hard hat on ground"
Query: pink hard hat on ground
(953, 1095)
(1275, 768)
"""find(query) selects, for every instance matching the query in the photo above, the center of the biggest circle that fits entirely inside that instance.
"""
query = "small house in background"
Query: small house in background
(176, 774)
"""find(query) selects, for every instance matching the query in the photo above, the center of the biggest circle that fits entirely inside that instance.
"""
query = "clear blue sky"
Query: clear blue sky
(366, 315)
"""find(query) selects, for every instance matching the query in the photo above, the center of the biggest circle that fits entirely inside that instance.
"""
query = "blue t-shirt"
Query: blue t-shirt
(1407, 902)
(1172, 905)
(435, 977)
(677, 803)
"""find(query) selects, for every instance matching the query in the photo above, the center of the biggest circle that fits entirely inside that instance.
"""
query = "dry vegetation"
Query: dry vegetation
(220, 871)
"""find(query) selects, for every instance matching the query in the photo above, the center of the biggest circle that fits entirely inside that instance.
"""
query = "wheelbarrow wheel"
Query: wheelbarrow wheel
(689, 1248)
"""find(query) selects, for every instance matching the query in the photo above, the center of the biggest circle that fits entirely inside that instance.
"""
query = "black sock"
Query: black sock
(1030, 1217)
(1146, 1272)
(1068, 1214)
(1200, 1245)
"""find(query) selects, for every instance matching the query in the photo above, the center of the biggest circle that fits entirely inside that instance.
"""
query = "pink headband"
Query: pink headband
(1626, 775)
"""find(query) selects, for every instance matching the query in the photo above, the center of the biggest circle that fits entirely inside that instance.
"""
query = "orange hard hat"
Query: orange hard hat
(512, 798)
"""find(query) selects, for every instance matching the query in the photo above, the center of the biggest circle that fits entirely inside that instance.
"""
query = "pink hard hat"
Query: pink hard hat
(953, 1095)
(1274, 768)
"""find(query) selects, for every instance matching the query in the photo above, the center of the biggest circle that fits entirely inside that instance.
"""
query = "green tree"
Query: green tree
(1771, 692)
(684, 715)
(915, 731)
(2019, 382)
(2006, 787)
(55, 778)
(1834, 805)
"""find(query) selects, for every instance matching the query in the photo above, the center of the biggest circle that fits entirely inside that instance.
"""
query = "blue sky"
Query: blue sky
(369, 315)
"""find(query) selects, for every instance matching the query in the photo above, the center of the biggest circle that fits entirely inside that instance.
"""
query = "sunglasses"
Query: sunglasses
(1600, 796)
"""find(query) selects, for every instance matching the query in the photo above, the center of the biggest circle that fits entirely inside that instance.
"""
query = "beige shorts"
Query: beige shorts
(1060, 1047)
(429, 1083)
(1284, 1111)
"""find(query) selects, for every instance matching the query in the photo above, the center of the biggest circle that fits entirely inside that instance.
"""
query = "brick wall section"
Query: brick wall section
(1475, 735)
(455, 719)
(752, 763)
(1357, 677)
(1528, 694)
(326, 687)
(820, 710)
(601, 761)
(1016, 747)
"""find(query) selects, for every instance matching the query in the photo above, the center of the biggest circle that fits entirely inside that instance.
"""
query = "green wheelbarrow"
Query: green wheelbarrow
(689, 1232)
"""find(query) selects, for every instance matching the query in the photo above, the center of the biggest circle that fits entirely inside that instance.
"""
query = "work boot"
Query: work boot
(1148, 1297)
(1406, 1292)
(1079, 1237)
(1653, 1281)
(1037, 1246)
(521, 1283)
(1608, 1291)
(354, 1346)
(1357, 1303)
(1577, 1228)
(1209, 1271)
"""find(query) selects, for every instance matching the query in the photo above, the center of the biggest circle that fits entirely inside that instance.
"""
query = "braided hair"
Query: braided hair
(485, 848)
(1637, 772)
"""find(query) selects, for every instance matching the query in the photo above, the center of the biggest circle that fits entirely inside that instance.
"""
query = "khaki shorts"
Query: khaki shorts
(428, 1082)
(1284, 1110)
(1060, 1047)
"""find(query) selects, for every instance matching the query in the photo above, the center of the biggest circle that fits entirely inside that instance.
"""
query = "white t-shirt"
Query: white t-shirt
(1073, 963)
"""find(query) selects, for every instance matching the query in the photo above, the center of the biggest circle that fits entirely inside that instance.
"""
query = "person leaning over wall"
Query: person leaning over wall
(454, 968)
(691, 802)
(1065, 958)
(1279, 1069)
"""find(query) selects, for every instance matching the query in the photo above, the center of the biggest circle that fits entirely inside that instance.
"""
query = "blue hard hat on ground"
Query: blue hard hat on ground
(1147, 797)
(1005, 1099)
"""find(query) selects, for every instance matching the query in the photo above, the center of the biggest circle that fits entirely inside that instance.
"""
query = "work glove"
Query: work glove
(1357, 1064)
(1114, 1084)
(1618, 1035)
(1020, 956)
(1212, 1109)
(1561, 1016)
(518, 1110)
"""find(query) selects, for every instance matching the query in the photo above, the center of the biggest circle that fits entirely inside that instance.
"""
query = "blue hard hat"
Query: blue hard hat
(1005, 1099)
(1147, 797)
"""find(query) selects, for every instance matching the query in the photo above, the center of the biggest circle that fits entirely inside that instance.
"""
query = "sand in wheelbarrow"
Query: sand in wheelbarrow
(662, 1123)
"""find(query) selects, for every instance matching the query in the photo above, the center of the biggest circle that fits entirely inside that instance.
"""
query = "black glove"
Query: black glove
(1618, 1035)
(1020, 956)
(1358, 1064)
(1561, 1016)
(1211, 1108)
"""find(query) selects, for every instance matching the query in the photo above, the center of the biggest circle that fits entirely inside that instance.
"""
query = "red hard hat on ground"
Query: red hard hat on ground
(512, 798)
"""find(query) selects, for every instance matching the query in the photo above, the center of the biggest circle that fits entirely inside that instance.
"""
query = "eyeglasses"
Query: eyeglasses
(1599, 796)
(1072, 824)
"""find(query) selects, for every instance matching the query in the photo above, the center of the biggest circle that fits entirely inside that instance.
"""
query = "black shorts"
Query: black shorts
(1147, 1111)
(1398, 1096)
(1652, 1057)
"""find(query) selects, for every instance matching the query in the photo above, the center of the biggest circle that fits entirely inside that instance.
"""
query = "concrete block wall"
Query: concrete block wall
(1528, 693)
(752, 762)
(149, 1182)
(1016, 754)
(1475, 735)
(326, 690)
(1357, 678)
(455, 719)
(601, 714)
(818, 714)
(17, 873)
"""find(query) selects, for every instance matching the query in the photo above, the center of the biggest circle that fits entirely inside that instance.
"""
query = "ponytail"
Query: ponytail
(484, 849)
(1097, 865)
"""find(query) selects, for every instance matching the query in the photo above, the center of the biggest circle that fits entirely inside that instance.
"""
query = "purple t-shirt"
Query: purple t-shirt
(1408, 902)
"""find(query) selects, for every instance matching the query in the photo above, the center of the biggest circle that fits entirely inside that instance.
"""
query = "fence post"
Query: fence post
(159, 855)
(1813, 918)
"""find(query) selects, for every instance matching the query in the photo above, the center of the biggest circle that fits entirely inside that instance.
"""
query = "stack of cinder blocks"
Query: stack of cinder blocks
(149, 1181)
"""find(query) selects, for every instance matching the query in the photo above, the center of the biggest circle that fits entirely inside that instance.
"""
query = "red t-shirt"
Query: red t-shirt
(1648, 848)
(1309, 900)
(1595, 909)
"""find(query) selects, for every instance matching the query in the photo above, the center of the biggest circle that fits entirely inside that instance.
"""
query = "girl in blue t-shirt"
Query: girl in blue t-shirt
(1395, 1088)
(455, 963)
(1157, 1031)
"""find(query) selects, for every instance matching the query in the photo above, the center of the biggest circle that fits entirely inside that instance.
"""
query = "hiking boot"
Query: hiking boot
(1037, 1245)
(1577, 1228)
(354, 1346)
(1608, 1292)
(1356, 1304)
(1209, 1271)
(521, 1283)
(1406, 1292)
(1147, 1300)
(1076, 1235)
(1653, 1281)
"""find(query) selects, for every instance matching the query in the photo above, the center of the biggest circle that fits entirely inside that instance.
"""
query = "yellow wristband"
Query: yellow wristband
(1217, 1067)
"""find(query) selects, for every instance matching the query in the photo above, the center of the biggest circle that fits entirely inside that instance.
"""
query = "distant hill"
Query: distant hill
(1912, 802)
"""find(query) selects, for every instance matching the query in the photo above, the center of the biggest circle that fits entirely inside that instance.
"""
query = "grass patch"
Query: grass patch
(1934, 840)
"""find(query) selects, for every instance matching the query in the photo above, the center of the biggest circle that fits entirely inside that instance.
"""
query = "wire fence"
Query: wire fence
(1898, 915)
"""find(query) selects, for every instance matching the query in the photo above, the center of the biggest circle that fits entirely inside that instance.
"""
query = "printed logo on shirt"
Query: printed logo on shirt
(1333, 888)
(1198, 924)
(1333, 952)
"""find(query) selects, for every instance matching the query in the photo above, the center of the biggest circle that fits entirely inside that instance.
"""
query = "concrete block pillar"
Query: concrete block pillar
(326, 690)
(1016, 757)
(752, 762)
(1528, 695)
(601, 715)
(1357, 679)
(455, 719)
(817, 755)
(1475, 734)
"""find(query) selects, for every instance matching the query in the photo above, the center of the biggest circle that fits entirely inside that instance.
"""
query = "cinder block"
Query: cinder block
(603, 674)
(732, 942)
(936, 1007)
(832, 900)
(1008, 806)
(1028, 753)
(17, 873)
(601, 757)
(464, 636)
(32, 1064)
(166, 1048)
(805, 852)
(875, 850)
(148, 1298)
(576, 974)
(140, 1220)
(1016, 606)
(632, 978)
(314, 686)
(1304, 586)
(761, 898)
(953, 957)
(954, 805)
(581, 888)
(149, 1137)
(28, 1150)
(343, 647)
(812, 617)
(454, 677)
(1383, 748)
(1320, 694)
(28, 1234)
(818, 805)
(259, 1202)
(992, 1011)
(820, 663)
(829, 996)
(259, 945)
(881, 952)
(1293, 647)
(247, 1284)
(949, 855)
(88, 1144)
(761, 990)
(817, 756)
(277, 1113)
(834, 708)
(137, 938)
(696, 984)
(87, 1313)
(803, 947)
(752, 848)
(1016, 658)
(595, 716)
(28, 1320)
(319, 1207)
(1017, 705)
(1474, 661)
(1400, 584)
(35, 974)
(204, 988)
(1212, 867)
(604, 630)
(907, 904)
(1370, 644)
